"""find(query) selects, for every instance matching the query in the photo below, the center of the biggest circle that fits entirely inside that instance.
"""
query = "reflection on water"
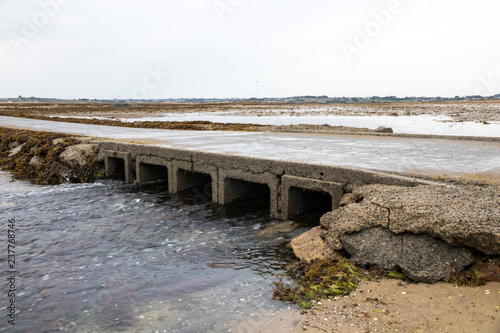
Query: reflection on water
(107, 257)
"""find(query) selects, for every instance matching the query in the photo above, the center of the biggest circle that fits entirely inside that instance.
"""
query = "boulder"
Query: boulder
(57, 141)
(421, 257)
(459, 215)
(16, 150)
(36, 161)
(382, 129)
(76, 155)
(310, 245)
(278, 229)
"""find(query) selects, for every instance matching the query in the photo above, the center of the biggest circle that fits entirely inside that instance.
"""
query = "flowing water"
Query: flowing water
(107, 257)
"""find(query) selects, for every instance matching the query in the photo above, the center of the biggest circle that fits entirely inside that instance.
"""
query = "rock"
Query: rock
(310, 245)
(376, 246)
(57, 141)
(278, 228)
(36, 161)
(13, 145)
(459, 215)
(382, 129)
(76, 155)
(16, 150)
(490, 271)
(427, 259)
(421, 257)
(350, 198)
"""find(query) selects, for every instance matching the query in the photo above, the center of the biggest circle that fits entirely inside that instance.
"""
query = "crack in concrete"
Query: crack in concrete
(388, 214)
(389, 221)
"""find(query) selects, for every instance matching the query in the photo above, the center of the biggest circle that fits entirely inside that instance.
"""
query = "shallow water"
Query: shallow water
(105, 257)
(422, 124)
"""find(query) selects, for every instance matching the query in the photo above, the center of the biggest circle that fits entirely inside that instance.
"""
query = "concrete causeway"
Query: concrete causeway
(292, 188)
(394, 154)
(296, 173)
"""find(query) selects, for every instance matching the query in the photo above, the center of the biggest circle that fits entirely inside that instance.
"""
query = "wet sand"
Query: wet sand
(392, 306)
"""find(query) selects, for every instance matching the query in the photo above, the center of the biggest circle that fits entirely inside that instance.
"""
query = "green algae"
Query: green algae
(317, 280)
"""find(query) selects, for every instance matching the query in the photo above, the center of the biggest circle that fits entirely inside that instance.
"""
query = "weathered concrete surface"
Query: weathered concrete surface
(232, 177)
(293, 186)
(459, 215)
(311, 245)
(119, 164)
(187, 175)
(421, 257)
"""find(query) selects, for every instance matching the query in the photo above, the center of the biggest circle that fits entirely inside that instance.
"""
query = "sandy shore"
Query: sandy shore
(392, 306)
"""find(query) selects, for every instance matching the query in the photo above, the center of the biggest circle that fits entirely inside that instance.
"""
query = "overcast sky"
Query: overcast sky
(221, 48)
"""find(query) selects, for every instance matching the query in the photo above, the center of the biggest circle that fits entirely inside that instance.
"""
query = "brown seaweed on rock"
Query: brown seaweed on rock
(38, 158)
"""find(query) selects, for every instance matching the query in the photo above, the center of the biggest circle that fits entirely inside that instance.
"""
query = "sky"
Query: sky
(157, 49)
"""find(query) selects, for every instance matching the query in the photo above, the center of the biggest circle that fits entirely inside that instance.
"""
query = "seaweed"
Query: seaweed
(48, 148)
(317, 280)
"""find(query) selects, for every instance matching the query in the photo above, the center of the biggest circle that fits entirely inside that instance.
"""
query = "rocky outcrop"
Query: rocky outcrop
(427, 231)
